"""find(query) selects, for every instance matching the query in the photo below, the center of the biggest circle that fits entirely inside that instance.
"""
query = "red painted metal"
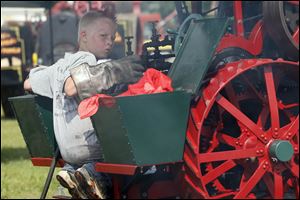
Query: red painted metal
(45, 162)
(227, 155)
(241, 118)
(296, 36)
(238, 18)
(278, 186)
(258, 174)
(163, 189)
(294, 2)
(252, 145)
(218, 171)
(116, 168)
(117, 182)
(272, 98)
(292, 131)
(253, 44)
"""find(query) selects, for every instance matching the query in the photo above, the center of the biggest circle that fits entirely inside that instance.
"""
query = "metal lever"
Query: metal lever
(50, 174)
(129, 43)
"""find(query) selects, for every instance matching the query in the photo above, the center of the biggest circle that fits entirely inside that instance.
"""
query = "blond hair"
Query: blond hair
(91, 17)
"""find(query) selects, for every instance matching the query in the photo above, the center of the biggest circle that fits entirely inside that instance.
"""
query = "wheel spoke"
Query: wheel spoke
(294, 129)
(231, 95)
(269, 183)
(226, 139)
(244, 191)
(253, 89)
(218, 171)
(240, 117)
(262, 119)
(294, 168)
(248, 171)
(227, 155)
(296, 36)
(278, 186)
(273, 107)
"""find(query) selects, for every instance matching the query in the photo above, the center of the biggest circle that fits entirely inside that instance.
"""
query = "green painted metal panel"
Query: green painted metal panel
(196, 52)
(112, 134)
(34, 115)
(143, 129)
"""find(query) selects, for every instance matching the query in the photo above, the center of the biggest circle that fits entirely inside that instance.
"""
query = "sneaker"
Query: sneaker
(68, 180)
(62, 193)
(92, 189)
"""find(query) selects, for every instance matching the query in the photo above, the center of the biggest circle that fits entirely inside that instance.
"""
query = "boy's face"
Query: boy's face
(100, 37)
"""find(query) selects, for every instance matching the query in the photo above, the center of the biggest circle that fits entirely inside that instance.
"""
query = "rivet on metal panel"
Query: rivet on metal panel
(207, 102)
(230, 69)
(279, 59)
(261, 150)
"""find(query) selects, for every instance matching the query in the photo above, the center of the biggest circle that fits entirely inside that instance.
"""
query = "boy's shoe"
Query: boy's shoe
(92, 189)
(68, 180)
(62, 193)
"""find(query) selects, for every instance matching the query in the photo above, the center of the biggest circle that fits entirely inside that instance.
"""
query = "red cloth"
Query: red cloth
(153, 81)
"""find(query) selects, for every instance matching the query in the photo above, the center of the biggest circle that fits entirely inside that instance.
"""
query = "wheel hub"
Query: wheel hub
(281, 150)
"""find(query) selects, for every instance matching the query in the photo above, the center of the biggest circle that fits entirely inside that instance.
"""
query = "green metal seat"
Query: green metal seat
(34, 115)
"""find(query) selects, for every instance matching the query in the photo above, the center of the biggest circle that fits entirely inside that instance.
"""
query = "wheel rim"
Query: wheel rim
(281, 20)
(234, 126)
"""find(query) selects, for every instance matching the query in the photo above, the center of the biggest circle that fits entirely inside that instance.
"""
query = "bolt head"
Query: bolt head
(264, 166)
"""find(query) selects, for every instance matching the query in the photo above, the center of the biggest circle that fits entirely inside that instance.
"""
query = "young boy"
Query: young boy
(78, 75)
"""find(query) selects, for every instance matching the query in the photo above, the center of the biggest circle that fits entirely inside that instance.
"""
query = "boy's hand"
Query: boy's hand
(91, 80)
(128, 69)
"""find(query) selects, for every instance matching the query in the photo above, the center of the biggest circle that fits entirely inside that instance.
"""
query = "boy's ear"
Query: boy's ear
(83, 36)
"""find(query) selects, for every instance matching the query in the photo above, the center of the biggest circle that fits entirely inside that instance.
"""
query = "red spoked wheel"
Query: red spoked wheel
(243, 133)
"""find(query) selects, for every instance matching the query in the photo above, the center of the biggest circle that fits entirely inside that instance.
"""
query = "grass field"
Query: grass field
(19, 178)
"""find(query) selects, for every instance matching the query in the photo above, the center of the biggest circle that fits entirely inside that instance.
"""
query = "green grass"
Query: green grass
(19, 178)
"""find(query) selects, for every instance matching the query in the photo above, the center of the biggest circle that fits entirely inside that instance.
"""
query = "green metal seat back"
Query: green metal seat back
(35, 117)
(196, 52)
